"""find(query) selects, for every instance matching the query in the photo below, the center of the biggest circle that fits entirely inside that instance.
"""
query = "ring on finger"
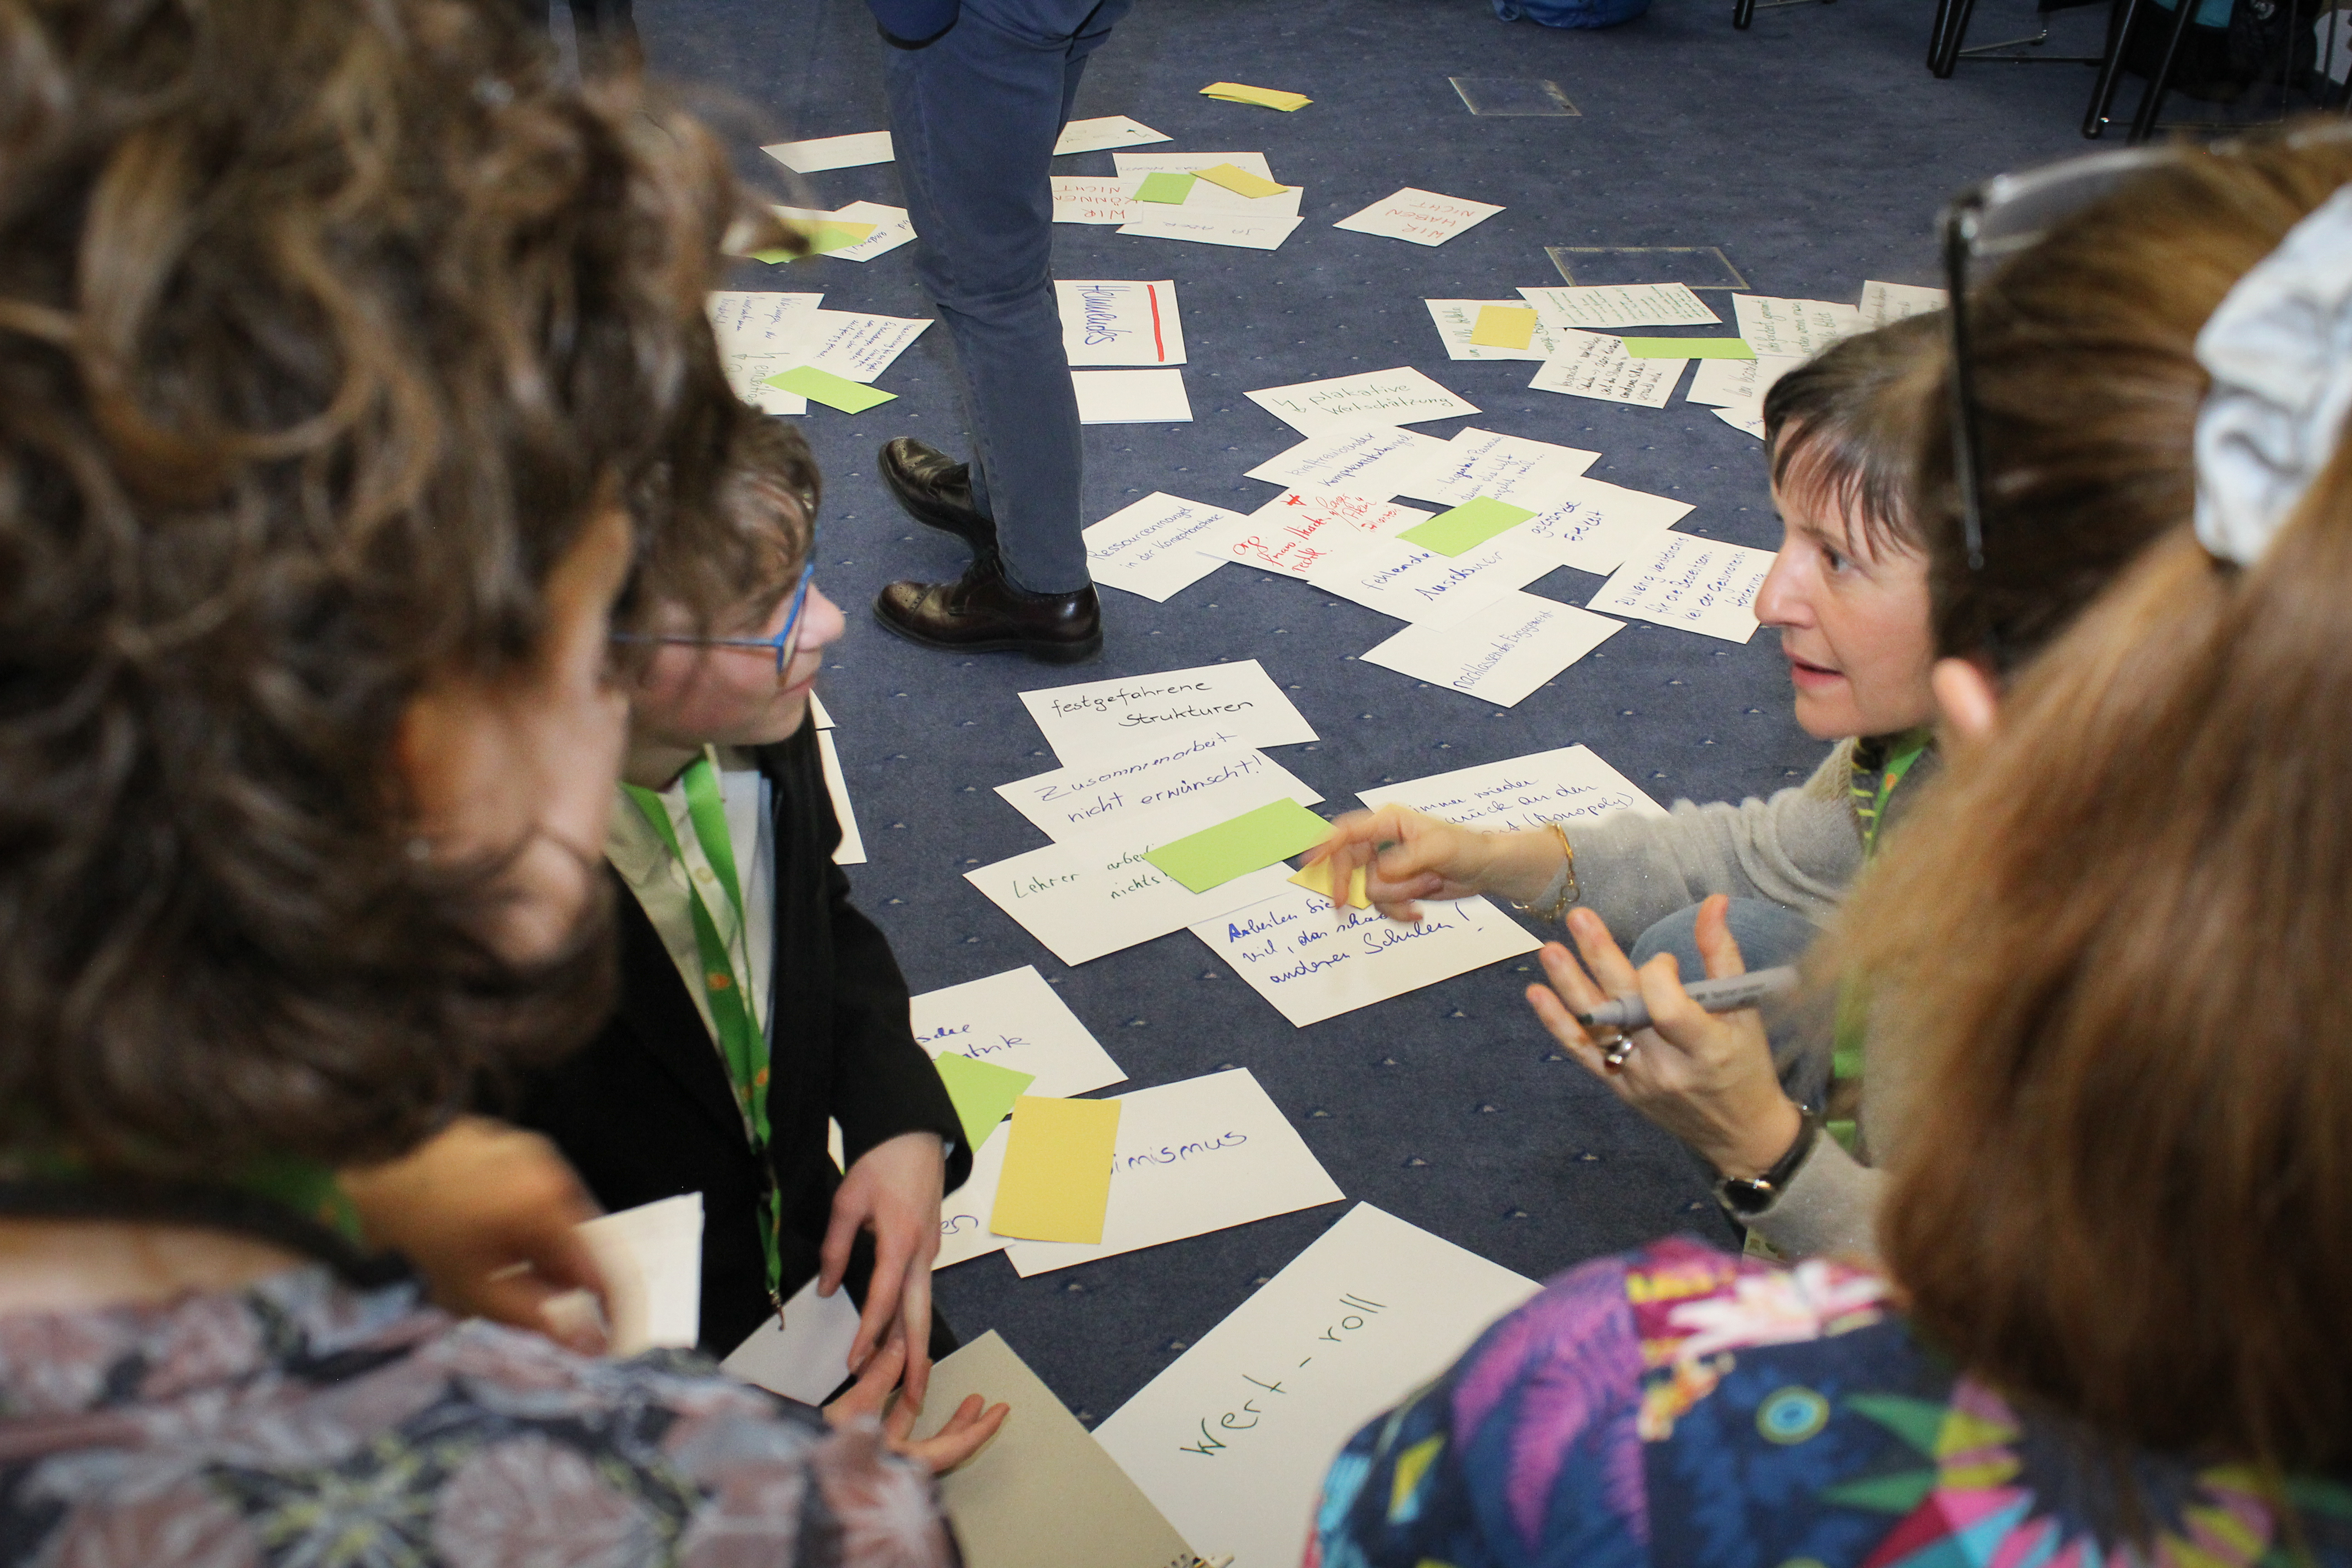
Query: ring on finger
(1613, 1054)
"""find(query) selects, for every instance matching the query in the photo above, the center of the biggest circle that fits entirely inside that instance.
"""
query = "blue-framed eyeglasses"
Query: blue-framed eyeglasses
(784, 644)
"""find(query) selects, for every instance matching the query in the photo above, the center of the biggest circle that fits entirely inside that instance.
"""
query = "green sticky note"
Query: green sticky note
(982, 1092)
(1467, 526)
(1250, 842)
(1167, 186)
(833, 391)
(1687, 348)
(827, 236)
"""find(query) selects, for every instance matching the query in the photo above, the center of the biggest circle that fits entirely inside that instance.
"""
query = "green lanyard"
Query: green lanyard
(1854, 1003)
(743, 1044)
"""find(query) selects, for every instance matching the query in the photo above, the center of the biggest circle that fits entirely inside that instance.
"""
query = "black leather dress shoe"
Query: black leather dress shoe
(981, 612)
(935, 490)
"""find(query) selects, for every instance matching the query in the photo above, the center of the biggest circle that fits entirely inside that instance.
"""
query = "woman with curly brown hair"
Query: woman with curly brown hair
(330, 337)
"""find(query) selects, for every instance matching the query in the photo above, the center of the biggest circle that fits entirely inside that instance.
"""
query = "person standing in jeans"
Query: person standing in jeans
(979, 92)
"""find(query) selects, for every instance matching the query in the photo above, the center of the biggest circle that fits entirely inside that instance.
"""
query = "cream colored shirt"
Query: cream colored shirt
(661, 883)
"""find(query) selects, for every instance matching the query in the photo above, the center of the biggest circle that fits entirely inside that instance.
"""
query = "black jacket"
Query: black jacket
(643, 1109)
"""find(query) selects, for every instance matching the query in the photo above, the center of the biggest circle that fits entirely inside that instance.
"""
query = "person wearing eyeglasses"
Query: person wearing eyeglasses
(2060, 443)
(2116, 1234)
(756, 1000)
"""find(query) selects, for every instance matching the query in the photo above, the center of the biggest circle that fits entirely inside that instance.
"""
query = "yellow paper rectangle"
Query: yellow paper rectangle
(1270, 97)
(1058, 1160)
(1242, 183)
(1503, 327)
(1316, 877)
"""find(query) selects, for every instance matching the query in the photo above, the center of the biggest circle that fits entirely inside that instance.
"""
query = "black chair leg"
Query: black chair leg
(2151, 102)
(1955, 31)
(1743, 13)
(1943, 19)
(2120, 19)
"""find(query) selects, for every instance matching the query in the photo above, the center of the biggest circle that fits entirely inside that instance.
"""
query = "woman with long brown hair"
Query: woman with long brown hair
(2117, 1230)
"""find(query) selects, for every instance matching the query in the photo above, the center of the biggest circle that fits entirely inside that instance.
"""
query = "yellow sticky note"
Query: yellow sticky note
(1503, 327)
(1241, 182)
(1270, 97)
(1316, 877)
(1058, 1160)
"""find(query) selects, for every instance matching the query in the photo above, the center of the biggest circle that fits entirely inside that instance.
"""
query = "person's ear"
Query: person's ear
(1967, 695)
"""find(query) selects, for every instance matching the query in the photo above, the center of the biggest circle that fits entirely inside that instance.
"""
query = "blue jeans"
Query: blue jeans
(973, 119)
(1769, 935)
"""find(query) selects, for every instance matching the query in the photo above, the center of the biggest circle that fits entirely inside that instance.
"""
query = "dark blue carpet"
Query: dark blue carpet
(1815, 149)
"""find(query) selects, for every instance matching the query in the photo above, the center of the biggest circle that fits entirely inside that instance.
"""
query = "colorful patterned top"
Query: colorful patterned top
(301, 1422)
(1680, 1405)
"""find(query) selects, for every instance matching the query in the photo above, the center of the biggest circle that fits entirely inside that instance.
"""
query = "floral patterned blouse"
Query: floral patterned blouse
(301, 1422)
(1679, 1405)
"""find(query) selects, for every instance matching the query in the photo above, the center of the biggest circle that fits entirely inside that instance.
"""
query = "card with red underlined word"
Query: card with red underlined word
(1109, 321)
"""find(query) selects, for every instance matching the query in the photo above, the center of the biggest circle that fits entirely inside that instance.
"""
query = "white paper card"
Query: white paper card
(1298, 531)
(1313, 962)
(1209, 225)
(1457, 319)
(1147, 547)
(1233, 1440)
(1014, 1020)
(747, 376)
(1400, 578)
(1134, 165)
(1092, 198)
(892, 227)
(1594, 364)
(1610, 307)
(1595, 525)
(1205, 1154)
(1806, 327)
(1373, 462)
(1885, 303)
(1131, 397)
(1501, 467)
(1423, 217)
(1571, 785)
(1111, 322)
(1398, 396)
(1502, 650)
(858, 347)
(1095, 895)
(1731, 383)
(1104, 131)
(1111, 718)
(1696, 583)
(651, 1256)
(851, 851)
(1041, 1493)
(1214, 773)
(806, 1356)
(832, 152)
(1747, 416)
(756, 323)
(963, 1213)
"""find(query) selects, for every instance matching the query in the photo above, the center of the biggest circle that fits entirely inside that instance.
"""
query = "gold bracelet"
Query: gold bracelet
(1553, 915)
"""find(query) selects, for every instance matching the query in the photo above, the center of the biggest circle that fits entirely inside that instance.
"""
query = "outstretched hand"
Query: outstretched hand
(951, 1445)
(1707, 1077)
(1406, 857)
